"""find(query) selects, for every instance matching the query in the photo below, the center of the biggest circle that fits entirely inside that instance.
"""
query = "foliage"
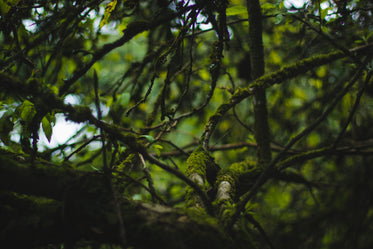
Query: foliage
(270, 103)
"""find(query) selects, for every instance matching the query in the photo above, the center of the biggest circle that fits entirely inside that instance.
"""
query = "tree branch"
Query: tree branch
(277, 77)
(79, 203)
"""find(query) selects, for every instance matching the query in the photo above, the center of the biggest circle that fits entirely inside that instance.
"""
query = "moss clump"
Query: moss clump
(193, 200)
(226, 208)
(236, 174)
(129, 158)
(202, 163)
(79, 114)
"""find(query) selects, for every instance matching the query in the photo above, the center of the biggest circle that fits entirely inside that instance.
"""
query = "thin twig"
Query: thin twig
(107, 171)
(148, 178)
(354, 109)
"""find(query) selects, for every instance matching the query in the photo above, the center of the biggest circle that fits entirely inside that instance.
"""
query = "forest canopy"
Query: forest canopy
(186, 124)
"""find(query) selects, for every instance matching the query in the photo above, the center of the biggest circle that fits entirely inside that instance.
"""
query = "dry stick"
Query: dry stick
(148, 178)
(81, 147)
(190, 71)
(267, 171)
(144, 98)
(138, 182)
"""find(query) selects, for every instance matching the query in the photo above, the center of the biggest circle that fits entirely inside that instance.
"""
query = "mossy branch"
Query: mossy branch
(77, 207)
(269, 169)
(80, 114)
(231, 183)
(200, 167)
(277, 77)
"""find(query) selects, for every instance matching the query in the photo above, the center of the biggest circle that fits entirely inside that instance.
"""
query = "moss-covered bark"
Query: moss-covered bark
(41, 222)
(200, 167)
(50, 204)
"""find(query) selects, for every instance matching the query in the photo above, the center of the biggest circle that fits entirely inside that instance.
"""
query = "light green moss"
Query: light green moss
(295, 69)
(233, 173)
(198, 162)
(193, 200)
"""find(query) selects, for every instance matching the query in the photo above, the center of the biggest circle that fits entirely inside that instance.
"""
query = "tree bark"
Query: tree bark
(262, 131)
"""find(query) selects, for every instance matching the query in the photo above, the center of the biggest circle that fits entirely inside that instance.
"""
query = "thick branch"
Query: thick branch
(79, 114)
(42, 179)
(85, 210)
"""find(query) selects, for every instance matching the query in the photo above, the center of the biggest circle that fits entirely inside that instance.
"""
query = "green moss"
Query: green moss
(200, 162)
(28, 209)
(215, 53)
(196, 164)
(235, 173)
(300, 158)
(197, 161)
(128, 160)
(226, 211)
(200, 216)
(193, 200)
(241, 93)
(295, 69)
(80, 114)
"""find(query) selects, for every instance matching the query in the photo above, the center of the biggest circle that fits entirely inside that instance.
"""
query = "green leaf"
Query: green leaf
(279, 18)
(236, 10)
(109, 8)
(27, 111)
(6, 5)
(148, 137)
(47, 127)
(94, 168)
